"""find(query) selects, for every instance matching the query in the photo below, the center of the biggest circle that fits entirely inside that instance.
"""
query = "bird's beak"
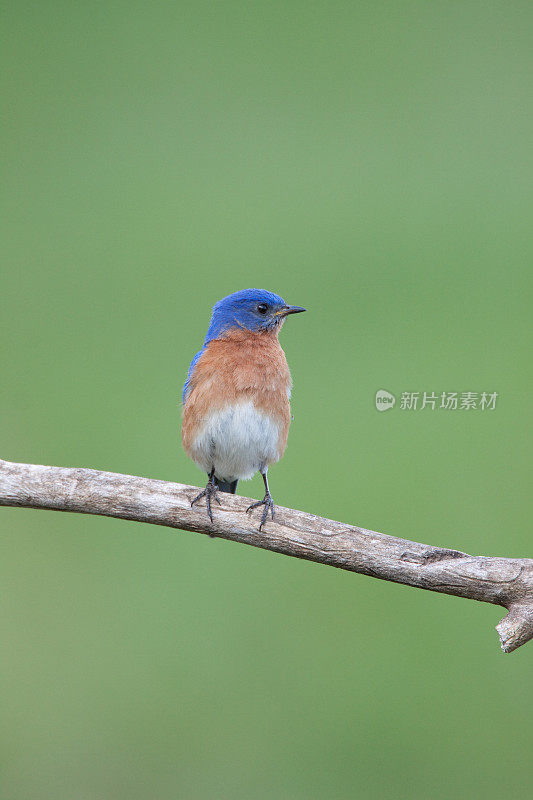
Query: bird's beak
(286, 310)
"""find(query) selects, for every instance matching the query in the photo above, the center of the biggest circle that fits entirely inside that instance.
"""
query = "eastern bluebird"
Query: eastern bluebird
(236, 411)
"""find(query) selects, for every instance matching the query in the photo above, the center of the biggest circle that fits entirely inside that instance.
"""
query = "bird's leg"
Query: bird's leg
(209, 492)
(267, 502)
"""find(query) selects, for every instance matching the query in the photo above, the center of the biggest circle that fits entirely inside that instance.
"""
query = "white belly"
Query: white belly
(238, 440)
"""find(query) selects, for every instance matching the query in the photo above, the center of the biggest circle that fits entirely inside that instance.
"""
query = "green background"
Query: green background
(373, 162)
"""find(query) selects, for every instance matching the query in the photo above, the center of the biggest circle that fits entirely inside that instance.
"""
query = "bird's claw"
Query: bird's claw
(209, 493)
(268, 503)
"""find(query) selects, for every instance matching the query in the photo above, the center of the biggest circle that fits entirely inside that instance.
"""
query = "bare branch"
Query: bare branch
(507, 582)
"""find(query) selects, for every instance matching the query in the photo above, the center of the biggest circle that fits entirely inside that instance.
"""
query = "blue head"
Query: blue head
(250, 309)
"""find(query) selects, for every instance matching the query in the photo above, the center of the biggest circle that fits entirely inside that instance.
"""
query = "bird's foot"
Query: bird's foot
(210, 492)
(268, 503)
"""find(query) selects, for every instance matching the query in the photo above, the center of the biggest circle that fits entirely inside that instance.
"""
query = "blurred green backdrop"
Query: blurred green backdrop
(373, 162)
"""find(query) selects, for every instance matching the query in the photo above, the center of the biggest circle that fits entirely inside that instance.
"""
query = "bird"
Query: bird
(236, 397)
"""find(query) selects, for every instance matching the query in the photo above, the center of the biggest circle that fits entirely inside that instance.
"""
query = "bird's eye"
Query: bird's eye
(262, 308)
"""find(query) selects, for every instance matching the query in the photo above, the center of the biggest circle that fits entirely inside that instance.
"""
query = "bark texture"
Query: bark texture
(507, 582)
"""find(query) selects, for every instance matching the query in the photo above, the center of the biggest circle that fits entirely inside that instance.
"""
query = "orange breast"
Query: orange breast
(240, 367)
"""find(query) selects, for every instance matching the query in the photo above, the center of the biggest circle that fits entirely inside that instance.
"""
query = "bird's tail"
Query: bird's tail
(226, 487)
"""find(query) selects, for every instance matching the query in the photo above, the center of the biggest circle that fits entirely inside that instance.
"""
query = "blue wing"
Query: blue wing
(186, 386)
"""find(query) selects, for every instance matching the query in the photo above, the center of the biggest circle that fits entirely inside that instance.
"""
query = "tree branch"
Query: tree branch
(507, 582)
